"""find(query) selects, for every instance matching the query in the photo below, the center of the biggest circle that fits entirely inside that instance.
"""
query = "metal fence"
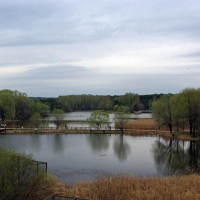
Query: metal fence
(40, 166)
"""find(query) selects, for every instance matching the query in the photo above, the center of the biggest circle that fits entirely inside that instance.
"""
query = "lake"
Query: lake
(75, 157)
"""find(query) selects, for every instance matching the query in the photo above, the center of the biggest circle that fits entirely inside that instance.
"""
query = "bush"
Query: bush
(19, 178)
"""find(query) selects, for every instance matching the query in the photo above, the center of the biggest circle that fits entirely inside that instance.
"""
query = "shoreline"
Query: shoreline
(131, 132)
(139, 127)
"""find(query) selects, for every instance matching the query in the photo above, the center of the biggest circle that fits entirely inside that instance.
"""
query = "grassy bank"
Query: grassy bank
(127, 187)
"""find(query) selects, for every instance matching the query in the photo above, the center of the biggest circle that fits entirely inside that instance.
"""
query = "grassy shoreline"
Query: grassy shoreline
(139, 127)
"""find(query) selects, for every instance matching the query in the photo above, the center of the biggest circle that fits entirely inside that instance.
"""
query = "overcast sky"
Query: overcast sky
(50, 48)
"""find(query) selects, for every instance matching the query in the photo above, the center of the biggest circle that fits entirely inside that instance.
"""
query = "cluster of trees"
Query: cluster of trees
(179, 111)
(16, 105)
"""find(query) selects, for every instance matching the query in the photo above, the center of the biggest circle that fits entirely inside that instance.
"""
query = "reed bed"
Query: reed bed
(144, 127)
(125, 187)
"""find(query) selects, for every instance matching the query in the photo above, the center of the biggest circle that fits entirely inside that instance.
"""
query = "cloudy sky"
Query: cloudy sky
(50, 48)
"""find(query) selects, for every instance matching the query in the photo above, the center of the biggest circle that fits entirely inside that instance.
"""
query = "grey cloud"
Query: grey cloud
(56, 72)
(50, 22)
(195, 54)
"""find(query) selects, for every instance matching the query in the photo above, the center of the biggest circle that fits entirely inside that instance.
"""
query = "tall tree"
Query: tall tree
(122, 115)
(179, 120)
(58, 116)
(35, 119)
(162, 111)
(24, 107)
(7, 106)
(189, 99)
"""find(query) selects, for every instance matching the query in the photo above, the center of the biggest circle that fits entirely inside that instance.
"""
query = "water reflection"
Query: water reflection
(194, 156)
(98, 142)
(58, 144)
(121, 148)
(176, 157)
(35, 141)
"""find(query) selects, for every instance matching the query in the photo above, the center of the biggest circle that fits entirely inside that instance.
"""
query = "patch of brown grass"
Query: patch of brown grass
(127, 187)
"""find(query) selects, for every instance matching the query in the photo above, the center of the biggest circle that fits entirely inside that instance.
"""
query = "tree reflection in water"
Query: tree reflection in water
(121, 148)
(176, 157)
(98, 142)
(194, 156)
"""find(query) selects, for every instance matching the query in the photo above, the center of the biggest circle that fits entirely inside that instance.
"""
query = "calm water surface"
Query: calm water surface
(85, 156)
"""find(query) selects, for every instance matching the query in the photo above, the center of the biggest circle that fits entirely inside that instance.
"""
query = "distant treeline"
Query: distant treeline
(134, 102)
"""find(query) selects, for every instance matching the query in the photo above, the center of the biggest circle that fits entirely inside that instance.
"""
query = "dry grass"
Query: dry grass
(142, 124)
(127, 187)
(141, 127)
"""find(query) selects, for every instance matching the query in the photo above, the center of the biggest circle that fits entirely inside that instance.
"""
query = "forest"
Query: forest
(17, 105)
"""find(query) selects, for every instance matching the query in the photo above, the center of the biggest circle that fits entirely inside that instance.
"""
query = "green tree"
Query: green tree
(179, 119)
(189, 107)
(42, 109)
(162, 111)
(58, 116)
(7, 106)
(35, 119)
(24, 107)
(121, 116)
(98, 118)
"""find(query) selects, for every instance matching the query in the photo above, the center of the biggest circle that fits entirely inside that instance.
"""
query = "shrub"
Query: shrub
(19, 178)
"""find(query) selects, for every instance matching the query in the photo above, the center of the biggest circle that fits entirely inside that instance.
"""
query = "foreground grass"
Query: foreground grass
(127, 187)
